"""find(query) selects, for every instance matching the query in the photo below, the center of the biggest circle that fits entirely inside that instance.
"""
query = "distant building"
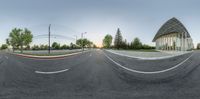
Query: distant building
(173, 36)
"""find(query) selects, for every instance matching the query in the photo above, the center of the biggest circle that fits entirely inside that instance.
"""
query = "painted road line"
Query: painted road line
(53, 72)
(6, 57)
(143, 72)
(150, 58)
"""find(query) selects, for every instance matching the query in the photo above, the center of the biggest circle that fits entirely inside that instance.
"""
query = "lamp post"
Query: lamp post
(82, 40)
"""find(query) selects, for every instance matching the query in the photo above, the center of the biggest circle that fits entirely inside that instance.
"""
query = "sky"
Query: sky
(70, 18)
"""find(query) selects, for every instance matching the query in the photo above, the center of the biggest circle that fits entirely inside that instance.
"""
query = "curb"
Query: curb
(177, 71)
(142, 58)
(47, 57)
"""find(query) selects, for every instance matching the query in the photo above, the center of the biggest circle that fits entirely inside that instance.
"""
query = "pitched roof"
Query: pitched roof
(171, 26)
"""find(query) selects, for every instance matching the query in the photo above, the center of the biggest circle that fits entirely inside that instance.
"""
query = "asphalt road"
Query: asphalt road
(148, 65)
(90, 75)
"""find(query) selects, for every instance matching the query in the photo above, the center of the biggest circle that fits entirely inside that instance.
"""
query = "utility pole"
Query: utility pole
(49, 38)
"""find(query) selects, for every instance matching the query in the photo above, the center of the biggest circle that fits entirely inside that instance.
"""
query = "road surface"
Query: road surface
(90, 75)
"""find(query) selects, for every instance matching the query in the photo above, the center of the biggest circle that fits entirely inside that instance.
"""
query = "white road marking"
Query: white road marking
(146, 58)
(90, 54)
(53, 72)
(6, 57)
(143, 72)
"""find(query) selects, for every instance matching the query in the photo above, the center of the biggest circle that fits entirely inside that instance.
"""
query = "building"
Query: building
(173, 36)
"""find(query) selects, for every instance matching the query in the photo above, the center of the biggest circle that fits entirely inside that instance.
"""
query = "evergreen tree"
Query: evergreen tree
(124, 44)
(118, 39)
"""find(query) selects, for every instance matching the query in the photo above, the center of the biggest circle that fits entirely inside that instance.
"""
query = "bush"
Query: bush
(4, 46)
(147, 47)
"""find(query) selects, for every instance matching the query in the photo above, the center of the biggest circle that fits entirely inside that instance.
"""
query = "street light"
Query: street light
(82, 40)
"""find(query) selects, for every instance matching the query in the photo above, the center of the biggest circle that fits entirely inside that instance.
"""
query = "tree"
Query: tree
(4, 46)
(14, 37)
(55, 46)
(107, 41)
(43, 47)
(19, 38)
(72, 46)
(8, 42)
(118, 39)
(124, 44)
(64, 47)
(136, 44)
(89, 44)
(35, 47)
(198, 46)
(27, 37)
(84, 43)
(94, 46)
(28, 47)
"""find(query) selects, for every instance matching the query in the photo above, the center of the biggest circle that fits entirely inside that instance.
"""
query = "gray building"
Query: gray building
(173, 36)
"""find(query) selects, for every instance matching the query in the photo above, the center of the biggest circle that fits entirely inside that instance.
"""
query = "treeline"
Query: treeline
(20, 39)
(119, 43)
(80, 43)
(55, 46)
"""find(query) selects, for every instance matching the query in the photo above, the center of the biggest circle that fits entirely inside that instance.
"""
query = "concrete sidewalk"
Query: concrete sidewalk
(147, 55)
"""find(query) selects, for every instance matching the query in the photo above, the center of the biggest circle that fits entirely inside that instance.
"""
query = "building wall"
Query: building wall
(174, 41)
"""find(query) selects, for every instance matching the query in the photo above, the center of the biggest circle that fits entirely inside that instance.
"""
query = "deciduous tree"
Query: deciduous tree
(136, 44)
(19, 38)
(107, 41)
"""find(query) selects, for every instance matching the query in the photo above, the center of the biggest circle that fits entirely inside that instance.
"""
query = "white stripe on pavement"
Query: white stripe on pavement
(53, 72)
(6, 57)
(146, 58)
(143, 72)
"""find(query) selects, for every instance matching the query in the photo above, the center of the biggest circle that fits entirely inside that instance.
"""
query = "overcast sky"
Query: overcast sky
(135, 18)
